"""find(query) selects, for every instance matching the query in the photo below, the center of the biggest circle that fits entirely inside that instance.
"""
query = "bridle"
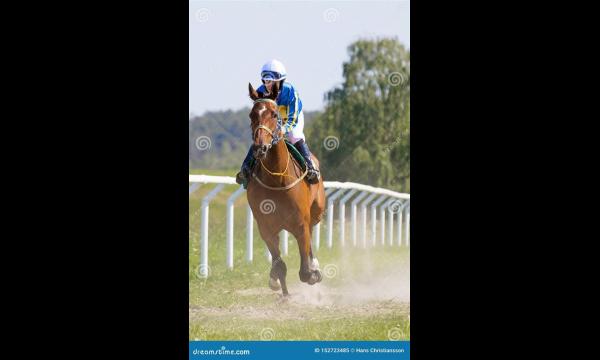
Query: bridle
(276, 137)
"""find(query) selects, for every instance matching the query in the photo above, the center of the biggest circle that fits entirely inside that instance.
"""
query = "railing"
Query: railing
(380, 200)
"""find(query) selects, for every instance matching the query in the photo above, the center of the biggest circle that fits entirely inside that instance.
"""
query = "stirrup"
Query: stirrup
(239, 178)
(242, 177)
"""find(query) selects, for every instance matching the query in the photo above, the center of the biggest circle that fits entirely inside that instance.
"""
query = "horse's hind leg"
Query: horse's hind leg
(278, 267)
(279, 271)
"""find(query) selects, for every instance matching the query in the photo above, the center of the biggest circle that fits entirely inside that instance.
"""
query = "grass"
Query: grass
(352, 302)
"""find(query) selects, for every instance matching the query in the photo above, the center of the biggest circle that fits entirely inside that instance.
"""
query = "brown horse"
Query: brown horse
(279, 197)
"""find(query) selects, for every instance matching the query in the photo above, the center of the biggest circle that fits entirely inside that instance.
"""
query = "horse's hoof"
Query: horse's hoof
(274, 284)
(315, 277)
(305, 276)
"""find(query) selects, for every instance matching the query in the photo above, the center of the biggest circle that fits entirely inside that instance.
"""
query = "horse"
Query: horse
(277, 194)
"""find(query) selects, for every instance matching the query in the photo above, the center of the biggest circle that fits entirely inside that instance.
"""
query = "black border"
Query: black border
(101, 266)
(101, 256)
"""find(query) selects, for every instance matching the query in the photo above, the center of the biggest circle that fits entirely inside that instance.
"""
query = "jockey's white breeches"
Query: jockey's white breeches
(297, 132)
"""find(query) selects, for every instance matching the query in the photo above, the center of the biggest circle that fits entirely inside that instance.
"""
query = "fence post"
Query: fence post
(363, 213)
(343, 216)
(400, 218)
(382, 221)
(283, 239)
(384, 207)
(391, 223)
(330, 201)
(317, 228)
(407, 225)
(249, 233)
(229, 236)
(353, 214)
(204, 229)
(194, 187)
(374, 218)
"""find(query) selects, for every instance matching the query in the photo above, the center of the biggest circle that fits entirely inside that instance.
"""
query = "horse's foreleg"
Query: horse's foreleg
(314, 263)
(278, 267)
(308, 269)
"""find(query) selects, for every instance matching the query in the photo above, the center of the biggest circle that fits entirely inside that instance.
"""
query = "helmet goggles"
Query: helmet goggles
(271, 75)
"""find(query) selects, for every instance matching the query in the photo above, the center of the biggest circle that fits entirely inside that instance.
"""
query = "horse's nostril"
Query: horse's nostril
(264, 147)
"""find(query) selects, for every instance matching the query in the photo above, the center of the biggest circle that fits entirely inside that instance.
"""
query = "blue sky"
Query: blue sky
(230, 40)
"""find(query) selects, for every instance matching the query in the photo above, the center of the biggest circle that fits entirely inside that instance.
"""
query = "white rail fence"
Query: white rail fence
(380, 201)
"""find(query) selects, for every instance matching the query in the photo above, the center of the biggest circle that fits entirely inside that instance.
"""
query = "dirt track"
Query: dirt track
(356, 299)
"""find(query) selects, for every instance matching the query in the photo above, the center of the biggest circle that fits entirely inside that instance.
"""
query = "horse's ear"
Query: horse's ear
(253, 94)
(274, 91)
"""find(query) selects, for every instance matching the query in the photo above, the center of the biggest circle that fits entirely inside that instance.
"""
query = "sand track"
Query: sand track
(318, 301)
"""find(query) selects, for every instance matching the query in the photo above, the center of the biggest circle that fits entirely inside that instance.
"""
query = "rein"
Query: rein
(275, 135)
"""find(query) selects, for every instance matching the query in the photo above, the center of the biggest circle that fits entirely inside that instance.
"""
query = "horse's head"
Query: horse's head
(264, 121)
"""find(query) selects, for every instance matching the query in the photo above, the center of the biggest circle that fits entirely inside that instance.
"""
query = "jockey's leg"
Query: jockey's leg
(296, 137)
(313, 173)
(244, 174)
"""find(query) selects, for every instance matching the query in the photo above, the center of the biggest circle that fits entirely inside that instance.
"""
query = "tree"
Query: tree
(364, 133)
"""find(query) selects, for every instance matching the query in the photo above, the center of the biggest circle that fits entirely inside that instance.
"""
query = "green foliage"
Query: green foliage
(364, 134)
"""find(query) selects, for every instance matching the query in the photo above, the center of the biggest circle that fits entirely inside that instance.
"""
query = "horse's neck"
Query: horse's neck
(276, 161)
(276, 157)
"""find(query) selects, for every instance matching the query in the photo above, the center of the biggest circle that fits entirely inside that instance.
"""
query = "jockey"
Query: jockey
(290, 110)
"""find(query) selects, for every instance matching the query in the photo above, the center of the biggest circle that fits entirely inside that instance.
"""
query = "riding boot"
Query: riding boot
(243, 176)
(313, 174)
